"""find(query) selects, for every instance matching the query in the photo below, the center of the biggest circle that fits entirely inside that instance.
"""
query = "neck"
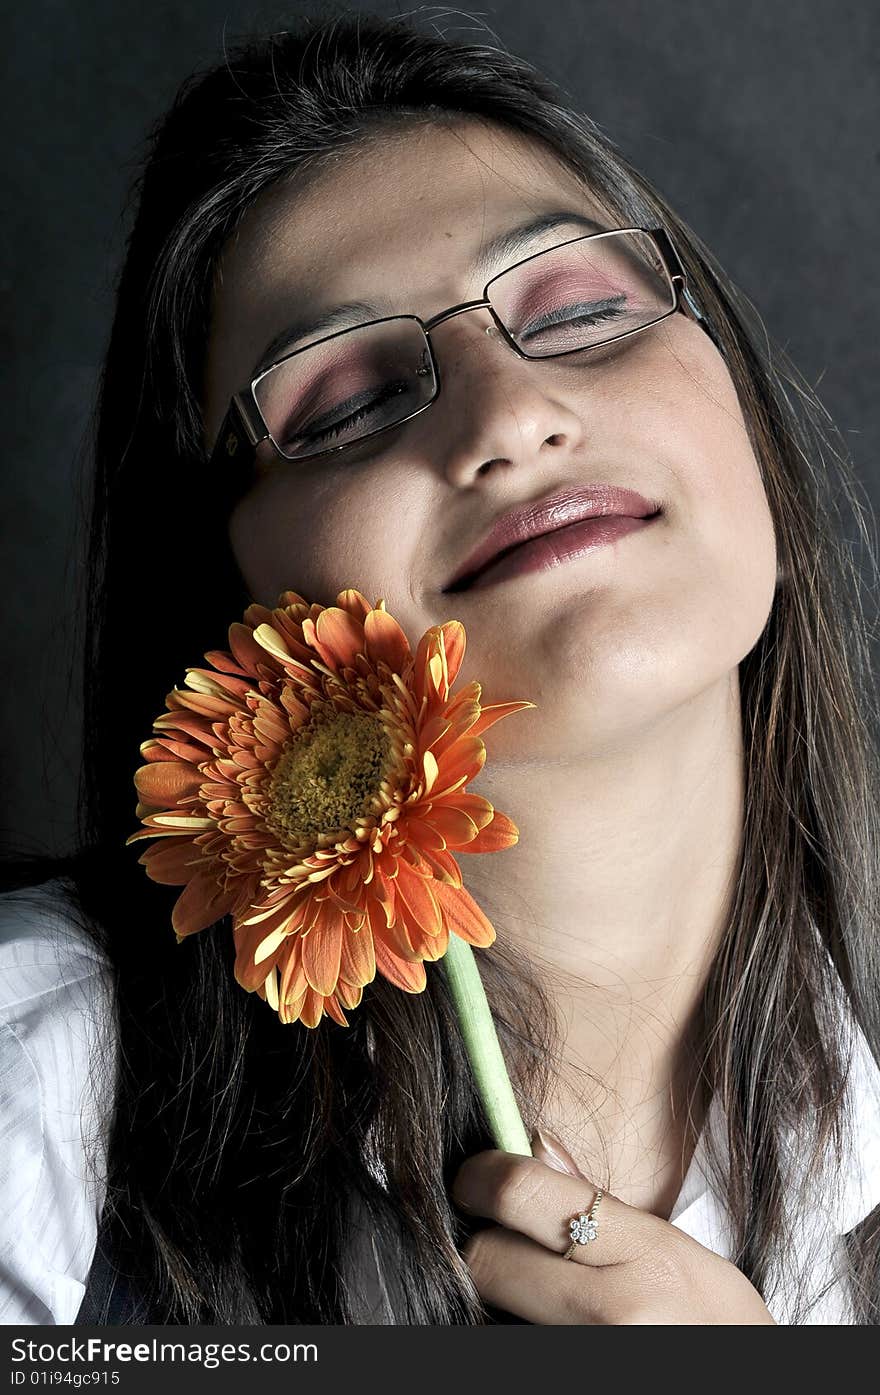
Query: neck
(618, 894)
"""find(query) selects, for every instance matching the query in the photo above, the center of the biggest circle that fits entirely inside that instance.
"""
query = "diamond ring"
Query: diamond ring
(584, 1227)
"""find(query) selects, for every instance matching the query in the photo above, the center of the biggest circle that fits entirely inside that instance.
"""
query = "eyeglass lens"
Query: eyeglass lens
(570, 297)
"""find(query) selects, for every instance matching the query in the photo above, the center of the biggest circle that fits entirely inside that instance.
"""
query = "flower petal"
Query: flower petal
(223, 660)
(357, 963)
(454, 643)
(312, 1009)
(290, 1009)
(293, 979)
(500, 833)
(203, 901)
(333, 1009)
(188, 723)
(481, 810)
(437, 672)
(153, 749)
(204, 703)
(463, 915)
(410, 977)
(462, 763)
(394, 936)
(354, 602)
(431, 947)
(172, 861)
(292, 599)
(349, 994)
(178, 821)
(270, 988)
(245, 648)
(205, 680)
(430, 771)
(386, 641)
(458, 723)
(431, 732)
(270, 943)
(453, 824)
(416, 898)
(495, 712)
(271, 642)
(185, 751)
(160, 833)
(423, 834)
(340, 637)
(166, 781)
(444, 865)
(248, 973)
(322, 949)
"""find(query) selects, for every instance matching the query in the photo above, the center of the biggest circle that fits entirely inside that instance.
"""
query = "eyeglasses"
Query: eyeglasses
(346, 387)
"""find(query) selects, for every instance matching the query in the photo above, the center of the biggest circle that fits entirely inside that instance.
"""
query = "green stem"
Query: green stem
(483, 1048)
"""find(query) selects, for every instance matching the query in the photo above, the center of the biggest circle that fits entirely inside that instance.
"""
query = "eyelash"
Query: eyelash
(357, 416)
(609, 311)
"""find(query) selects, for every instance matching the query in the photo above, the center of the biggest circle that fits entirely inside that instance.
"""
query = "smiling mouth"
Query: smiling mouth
(465, 583)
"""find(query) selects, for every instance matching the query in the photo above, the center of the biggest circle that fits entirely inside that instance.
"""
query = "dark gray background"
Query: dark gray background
(759, 121)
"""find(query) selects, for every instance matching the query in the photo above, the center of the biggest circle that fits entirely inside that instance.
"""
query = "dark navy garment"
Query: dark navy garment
(111, 1298)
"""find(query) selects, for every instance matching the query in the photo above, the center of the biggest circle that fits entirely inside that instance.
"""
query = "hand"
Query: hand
(638, 1270)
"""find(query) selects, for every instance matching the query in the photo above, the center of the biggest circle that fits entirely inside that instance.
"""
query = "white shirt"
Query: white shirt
(847, 1192)
(54, 998)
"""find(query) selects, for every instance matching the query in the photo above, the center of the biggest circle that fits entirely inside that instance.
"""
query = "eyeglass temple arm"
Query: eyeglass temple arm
(672, 260)
(679, 279)
(241, 429)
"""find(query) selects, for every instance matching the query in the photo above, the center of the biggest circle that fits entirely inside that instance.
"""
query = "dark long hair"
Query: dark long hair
(241, 1150)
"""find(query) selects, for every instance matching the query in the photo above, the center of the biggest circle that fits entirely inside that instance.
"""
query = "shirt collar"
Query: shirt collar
(850, 1186)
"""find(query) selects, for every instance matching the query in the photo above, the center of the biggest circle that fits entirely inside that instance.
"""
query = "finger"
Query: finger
(522, 1277)
(527, 1196)
(549, 1150)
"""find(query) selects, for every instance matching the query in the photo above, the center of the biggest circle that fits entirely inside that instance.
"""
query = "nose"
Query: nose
(501, 410)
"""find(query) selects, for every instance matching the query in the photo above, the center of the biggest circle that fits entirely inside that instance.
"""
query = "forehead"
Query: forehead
(407, 202)
(400, 218)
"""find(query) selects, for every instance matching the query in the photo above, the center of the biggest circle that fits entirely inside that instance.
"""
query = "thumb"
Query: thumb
(549, 1150)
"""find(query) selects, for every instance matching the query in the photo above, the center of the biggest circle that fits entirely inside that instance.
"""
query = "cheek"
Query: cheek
(259, 536)
(715, 578)
(728, 525)
(719, 524)
(320, 540)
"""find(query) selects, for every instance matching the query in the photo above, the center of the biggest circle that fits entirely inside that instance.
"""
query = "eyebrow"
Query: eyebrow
(506, 246)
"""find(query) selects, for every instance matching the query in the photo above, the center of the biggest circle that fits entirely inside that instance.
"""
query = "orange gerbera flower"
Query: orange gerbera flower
(312, 785)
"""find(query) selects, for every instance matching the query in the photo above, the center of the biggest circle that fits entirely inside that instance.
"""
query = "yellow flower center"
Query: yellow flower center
(328, 777)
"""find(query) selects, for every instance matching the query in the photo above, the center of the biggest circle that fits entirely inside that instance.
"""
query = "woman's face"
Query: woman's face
(605, 643)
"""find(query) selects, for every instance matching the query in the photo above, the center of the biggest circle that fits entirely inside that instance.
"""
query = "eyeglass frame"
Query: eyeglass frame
(244, 425)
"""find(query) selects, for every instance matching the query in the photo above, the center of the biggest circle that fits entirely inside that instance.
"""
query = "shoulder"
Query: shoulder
(55, 1013)
(43, 947)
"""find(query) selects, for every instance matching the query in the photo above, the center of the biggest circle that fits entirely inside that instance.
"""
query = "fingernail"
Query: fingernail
(552, 1152)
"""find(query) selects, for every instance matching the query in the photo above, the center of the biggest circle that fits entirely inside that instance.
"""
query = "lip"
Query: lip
(541, 517)
(550, 549)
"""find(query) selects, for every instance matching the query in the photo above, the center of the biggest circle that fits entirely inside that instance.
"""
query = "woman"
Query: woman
(685, 977)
